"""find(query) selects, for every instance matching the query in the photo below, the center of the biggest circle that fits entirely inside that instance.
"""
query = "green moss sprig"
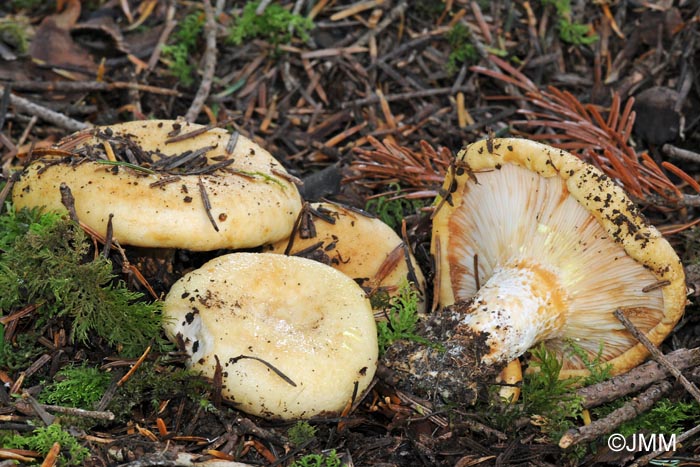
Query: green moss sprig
(43, 439)
(183, 44)
(44, 261)
(76, 386)
(402, 318)
(276, 25)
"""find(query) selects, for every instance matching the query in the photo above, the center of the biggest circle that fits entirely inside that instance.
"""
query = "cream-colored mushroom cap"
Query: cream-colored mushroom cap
(207, 191)
(535, 245)
(361, 247)
(295, 338)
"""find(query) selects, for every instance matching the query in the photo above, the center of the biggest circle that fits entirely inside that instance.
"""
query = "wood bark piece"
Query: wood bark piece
(637, 378)
(625, 413)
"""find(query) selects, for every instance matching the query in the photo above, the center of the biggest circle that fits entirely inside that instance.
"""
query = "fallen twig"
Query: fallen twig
(657, 355)
(55, 118)
(636, 379)
(679, 153)
(209, 64)
(627, 412)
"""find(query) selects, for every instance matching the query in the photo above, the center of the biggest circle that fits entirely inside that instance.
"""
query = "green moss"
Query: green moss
(319, 460)
(44, 261)
(573, 33)
(667, 417)
(392, 211)
(276, 25)
(462, 50)
(402, 318)
(14, 33)
(76, 386)
(42, 439)
(551, 403)
(21, 352)
(182, 45)
(300, 433)
(28, 5)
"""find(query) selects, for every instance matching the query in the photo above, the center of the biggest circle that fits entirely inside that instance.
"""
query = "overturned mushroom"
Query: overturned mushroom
(534, 245)
(556, 248)
(294, 337)
(362, 247)
(166, 183)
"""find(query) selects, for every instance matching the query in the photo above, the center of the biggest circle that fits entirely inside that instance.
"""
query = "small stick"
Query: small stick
(636, 379)
(277, 371)
(96, 414)
(657, 355)
(655, 285)
(68, 200)
(261, 7)
(52, 455)
(374, 99)
(644, 460)
(627, 412)
(90, 86)
(4, 104)
(678, 153)
(55, 118)
(232, 141)
(397, 11)
(45, 417)
(209, 64)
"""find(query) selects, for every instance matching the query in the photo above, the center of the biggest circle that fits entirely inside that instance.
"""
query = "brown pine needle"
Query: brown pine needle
(595, 133)
(133, 369)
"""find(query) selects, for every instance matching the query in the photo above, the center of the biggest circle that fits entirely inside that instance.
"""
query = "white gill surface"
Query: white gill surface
(513, 213)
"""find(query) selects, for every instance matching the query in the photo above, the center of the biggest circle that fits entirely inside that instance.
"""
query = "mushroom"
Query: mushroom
(166, 183)
(534, 245)
(360, 246)
(295, 338)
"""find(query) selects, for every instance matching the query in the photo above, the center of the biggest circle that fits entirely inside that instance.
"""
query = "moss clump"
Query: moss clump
(301, 433)
(319, 460)
(276, 25)
(182, 46)
(570, 32)
(76, 386)
(42, 439)
(462, 50)
(44, 262)
(392, 210)
(402, 318)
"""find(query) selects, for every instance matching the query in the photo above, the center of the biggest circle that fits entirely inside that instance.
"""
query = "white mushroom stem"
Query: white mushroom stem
(521, 304)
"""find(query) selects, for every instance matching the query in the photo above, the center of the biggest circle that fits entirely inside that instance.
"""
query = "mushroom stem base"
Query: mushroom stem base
(520, 305)
(445, 370)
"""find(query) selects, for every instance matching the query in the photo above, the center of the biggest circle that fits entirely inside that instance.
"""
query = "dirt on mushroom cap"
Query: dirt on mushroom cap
(295, 338)
(206, 191)
(364, 248)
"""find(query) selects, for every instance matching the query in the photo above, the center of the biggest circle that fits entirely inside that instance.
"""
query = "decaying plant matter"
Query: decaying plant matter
(599, 135)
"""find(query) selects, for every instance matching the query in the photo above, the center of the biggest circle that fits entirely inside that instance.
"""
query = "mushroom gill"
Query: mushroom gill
(549, 270)
(535, 245)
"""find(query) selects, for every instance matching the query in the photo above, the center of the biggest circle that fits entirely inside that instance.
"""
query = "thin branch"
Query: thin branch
(627, 412)
(55, 118)
(657, 355)
(209, 64)
(636, 379)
